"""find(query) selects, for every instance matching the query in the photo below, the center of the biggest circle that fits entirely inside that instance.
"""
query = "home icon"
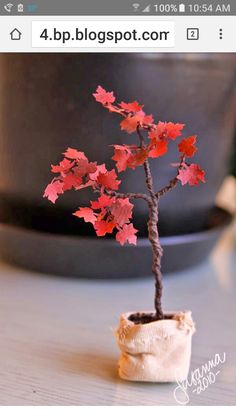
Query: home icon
(15, 35)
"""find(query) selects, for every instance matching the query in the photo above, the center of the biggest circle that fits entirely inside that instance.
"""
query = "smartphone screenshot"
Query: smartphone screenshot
(117, 205)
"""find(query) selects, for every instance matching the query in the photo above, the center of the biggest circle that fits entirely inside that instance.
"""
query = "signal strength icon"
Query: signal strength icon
(147, 9)
(136, 6)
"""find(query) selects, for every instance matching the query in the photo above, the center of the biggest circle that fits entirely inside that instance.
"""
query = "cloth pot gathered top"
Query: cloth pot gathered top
(158, 351)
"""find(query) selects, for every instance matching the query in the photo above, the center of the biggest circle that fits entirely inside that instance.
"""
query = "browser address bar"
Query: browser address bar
(100, 34)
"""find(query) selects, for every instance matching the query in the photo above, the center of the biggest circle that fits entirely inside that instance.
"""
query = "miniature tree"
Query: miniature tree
(112, 211)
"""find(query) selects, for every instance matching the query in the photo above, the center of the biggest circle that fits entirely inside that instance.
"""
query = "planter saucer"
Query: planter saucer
(88, 257)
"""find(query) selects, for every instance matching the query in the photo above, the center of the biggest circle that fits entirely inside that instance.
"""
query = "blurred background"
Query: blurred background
(46, 105)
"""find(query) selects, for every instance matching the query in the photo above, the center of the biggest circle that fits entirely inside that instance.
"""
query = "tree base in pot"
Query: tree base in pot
(158, 351)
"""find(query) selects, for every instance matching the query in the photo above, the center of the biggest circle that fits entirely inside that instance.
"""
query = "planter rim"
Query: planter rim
(178, 317)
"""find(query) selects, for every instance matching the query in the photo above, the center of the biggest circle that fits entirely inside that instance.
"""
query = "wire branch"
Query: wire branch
(141, 138)
(129, 195)
(172, 183)
(147, 170)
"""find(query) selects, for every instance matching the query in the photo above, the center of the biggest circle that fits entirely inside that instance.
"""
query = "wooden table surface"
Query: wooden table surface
(56, 334)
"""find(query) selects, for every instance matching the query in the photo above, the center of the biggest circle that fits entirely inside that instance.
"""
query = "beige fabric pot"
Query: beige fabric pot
(159, 351)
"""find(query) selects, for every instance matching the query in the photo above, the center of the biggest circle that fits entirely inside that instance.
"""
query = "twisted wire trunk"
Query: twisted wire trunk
(154, 239)
(153, 234)
(157, 253)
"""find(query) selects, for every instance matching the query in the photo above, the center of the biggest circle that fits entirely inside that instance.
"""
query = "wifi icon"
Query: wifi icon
(136, 6)
(8, 7)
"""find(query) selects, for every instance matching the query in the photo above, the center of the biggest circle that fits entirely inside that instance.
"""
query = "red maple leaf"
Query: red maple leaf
(108, 180)
(102, 202)
(63, 166)
(131, 106)
(137, 158)
(84, 167)
(103, 227)
(127, 234)
(186, 146)
(103, 96)
(147, 120)
(53, 190)
(87, 214)
(159, 149)
(71, 181)
(191, 175)
(130, 123)
(167, 130)
(101, 168)
(121, 156)
(72, 153)
(121, 210)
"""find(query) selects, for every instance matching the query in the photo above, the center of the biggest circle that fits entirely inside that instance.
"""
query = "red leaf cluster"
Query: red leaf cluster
(77, 172)
(132, 112)
(160, 134)
(129, 156)
(109, 213)
(168, 130)
(135, 118)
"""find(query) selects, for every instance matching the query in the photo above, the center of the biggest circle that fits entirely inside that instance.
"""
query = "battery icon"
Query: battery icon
(182, 8)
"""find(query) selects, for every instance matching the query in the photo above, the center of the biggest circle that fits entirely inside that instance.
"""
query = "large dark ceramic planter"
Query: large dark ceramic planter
(46, 106)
